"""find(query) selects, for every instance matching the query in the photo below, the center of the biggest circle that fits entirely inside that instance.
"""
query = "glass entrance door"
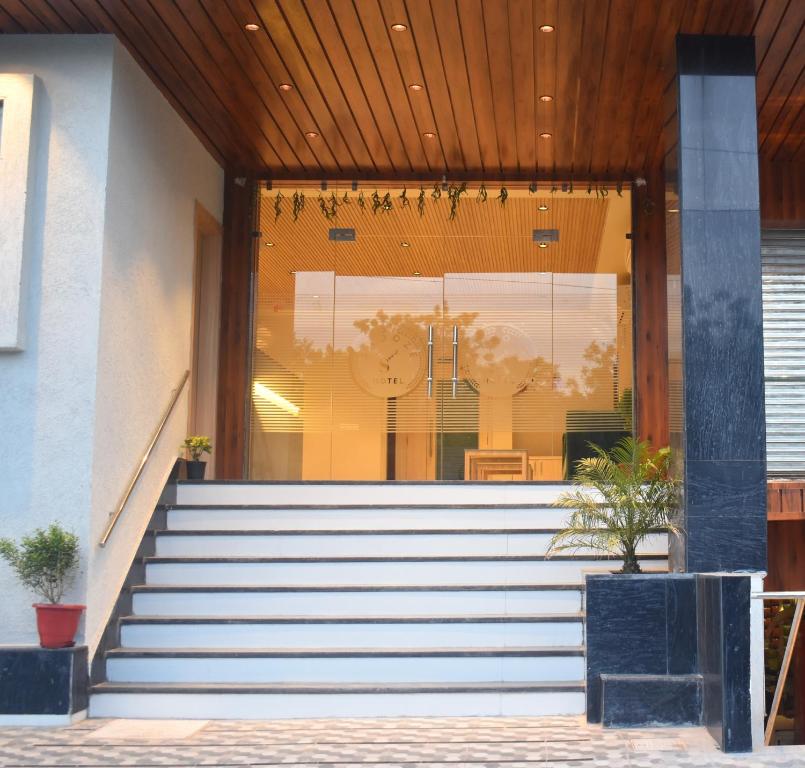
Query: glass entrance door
(430, 349)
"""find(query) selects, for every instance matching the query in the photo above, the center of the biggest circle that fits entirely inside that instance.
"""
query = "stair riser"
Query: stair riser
(365, 635)
(422, 518)
(471, 602)
(382, 573)
(282, 706)
(361, 493)
(412, 545)
(347, 670)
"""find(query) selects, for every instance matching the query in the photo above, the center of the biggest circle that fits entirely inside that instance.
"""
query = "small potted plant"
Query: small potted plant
(196, 446)
(46, 562)
(622, 497)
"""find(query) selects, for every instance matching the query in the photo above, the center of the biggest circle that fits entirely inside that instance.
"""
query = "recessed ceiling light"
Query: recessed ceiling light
(251, 27)
(285, 87)
(291, 271)
(311, 134)
(429, 135)
(545, 135)
(673, 210)
(399, 27)
(543, 207)
(546, 97)
(543, 245)
(405, 244)
(546, 28)
(416, 87)
(417, 274)
(269, 243)
(316, 296)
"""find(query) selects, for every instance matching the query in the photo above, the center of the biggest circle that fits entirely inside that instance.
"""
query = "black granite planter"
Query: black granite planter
(39, 681)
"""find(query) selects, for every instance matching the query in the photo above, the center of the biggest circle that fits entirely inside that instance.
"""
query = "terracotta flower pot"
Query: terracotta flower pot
(57, 624)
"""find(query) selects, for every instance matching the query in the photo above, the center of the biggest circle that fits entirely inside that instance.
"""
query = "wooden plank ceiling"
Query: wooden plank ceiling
(350, 111)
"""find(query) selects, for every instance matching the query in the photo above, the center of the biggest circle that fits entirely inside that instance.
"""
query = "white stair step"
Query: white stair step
(307, 701)
(395, 666)
(353, 632)
(253, 544)
(428, 517)
(367, 493)
(353, 572)
(298, 602)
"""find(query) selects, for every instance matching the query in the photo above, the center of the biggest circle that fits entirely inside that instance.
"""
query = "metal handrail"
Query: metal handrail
(115, 516)
(799, 599)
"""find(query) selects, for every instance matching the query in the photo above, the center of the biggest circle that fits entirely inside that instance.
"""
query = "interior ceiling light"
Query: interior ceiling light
(543, 207)
(270, 396)
(545, 135)
(546, 97)
(269, 244)
(416, 87)
(546, 28)
(311, 134)
(291, 271)
(405, 244)
(285, 87)
(416, 274)
(543, 245)
(251, 27)
(429, 135)
(399, 27)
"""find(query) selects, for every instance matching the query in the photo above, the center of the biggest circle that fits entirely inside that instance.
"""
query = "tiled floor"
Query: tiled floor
(413, 742)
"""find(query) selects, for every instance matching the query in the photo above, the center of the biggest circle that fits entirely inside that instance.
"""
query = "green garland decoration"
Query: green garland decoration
(278, 205)
(503, 196)
(298, 204)
(420, 202)
(482, 194)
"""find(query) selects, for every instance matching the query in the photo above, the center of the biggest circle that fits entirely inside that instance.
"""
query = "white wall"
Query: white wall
(108, 312)
(157, 171)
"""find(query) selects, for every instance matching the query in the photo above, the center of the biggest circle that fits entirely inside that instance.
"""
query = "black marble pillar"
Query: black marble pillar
(716, 330)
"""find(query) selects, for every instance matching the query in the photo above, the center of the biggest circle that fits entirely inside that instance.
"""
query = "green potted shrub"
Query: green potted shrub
(46, 562)
(196, 446)
(621, 497)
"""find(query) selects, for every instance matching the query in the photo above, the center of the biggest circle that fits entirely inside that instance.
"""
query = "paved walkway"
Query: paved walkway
(412, 743)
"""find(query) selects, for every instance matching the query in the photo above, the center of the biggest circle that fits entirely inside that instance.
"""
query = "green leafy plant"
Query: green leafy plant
(45, 561)
(196, 445)
(622, 496)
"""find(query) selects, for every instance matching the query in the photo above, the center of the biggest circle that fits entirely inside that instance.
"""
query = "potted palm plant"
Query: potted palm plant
(621, 497)
(46, 562)
(196, 446)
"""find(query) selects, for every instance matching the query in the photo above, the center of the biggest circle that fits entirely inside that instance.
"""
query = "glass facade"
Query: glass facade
(431, 348)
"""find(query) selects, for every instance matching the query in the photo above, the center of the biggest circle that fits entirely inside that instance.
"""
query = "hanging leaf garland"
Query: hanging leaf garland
(404, 198)
(503, 196)
(532, 188)
(454, 193)
(482, 194)
(345, 199)
(298, 204)
(387, 205)
(278, 205)
(361, 201)
(420, 202)
(376, 201)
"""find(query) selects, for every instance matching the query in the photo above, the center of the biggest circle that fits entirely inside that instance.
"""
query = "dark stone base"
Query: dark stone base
(629, 701)
(38, 681)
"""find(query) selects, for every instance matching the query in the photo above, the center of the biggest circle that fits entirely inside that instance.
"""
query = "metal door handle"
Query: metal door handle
(454, 380)
(430, 361)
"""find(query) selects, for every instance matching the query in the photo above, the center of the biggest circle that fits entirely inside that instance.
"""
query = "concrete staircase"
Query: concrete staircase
(282, 600)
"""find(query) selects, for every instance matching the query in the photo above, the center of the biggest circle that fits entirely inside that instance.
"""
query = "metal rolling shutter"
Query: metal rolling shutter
(783, 263)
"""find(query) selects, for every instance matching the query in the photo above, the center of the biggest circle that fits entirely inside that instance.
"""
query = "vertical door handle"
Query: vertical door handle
(430, 361)
(454, 380)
